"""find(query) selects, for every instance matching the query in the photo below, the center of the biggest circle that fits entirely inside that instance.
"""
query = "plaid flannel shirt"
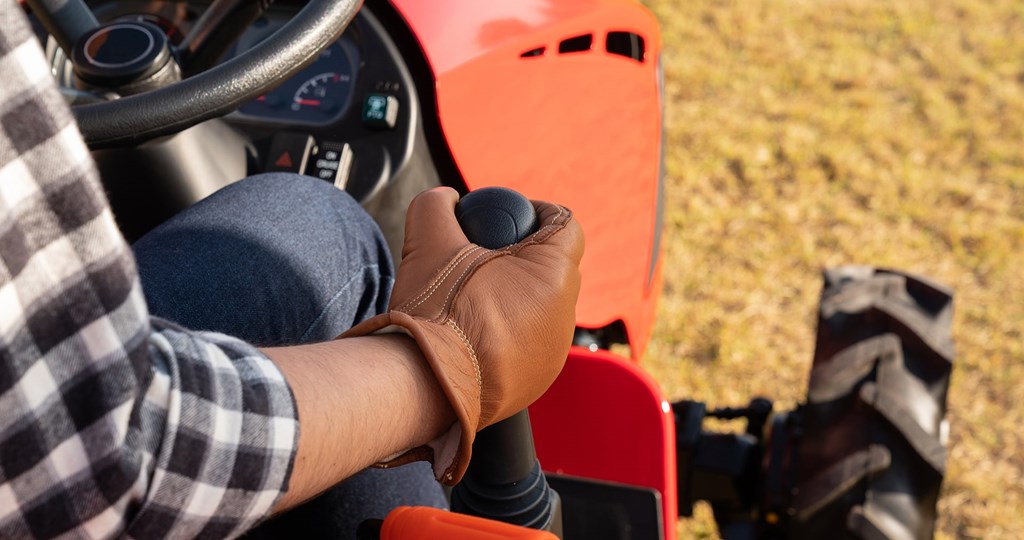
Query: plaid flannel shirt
(112, 423)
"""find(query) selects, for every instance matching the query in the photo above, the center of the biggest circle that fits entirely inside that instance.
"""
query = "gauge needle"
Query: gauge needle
(311, 102)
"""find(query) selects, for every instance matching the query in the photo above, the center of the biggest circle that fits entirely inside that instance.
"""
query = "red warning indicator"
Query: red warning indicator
(284, 161)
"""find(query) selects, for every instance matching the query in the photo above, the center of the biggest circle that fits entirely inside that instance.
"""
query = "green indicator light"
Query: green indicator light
(376, 108)
(380, 111)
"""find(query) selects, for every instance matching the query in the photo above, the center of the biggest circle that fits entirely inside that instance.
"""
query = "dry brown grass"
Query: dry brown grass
(804, 134)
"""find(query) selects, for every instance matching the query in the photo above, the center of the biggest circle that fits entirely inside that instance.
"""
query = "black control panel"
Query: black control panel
(355, 105)
(319, 95)
(349, 118)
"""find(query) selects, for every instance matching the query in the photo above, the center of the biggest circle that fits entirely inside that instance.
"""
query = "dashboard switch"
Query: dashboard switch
(380, 111)
(333, 163)
(289, 152)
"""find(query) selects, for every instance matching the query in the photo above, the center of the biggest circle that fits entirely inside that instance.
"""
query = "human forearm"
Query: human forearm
(359, 400)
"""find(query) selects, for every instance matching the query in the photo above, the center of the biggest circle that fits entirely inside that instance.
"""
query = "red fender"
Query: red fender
(605, 418)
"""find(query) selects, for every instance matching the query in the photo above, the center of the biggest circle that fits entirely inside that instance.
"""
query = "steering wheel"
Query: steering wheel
(205, 93)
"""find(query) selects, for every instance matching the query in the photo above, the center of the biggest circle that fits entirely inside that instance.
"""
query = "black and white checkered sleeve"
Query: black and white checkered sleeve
(111, 423)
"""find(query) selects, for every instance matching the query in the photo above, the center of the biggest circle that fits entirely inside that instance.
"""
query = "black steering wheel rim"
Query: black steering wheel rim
(135, 119)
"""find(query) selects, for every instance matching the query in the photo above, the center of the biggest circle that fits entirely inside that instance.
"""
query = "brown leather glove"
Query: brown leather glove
(494, 325)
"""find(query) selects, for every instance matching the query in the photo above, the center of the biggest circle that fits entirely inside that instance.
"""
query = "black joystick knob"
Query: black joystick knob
(504, 480)
(495, 217)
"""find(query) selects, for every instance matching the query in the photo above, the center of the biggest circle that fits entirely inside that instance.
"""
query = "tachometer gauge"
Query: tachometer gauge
(321, 92)
(317, 95)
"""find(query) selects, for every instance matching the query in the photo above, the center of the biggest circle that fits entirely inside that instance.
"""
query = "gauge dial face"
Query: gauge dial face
(321, 92)
(317, 95)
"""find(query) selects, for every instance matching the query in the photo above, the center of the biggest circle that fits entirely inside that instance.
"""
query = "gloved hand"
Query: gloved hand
(494, 325)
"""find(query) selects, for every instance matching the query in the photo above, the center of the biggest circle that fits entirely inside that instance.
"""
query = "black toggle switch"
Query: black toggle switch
(333, 163)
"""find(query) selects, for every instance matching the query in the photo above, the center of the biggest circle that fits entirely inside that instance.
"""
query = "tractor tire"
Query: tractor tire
(871, 450)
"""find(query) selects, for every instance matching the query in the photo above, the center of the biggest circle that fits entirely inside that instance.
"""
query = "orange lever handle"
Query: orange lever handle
(424, 523)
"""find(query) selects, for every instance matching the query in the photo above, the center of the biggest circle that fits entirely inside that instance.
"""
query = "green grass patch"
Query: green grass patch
(808, 134)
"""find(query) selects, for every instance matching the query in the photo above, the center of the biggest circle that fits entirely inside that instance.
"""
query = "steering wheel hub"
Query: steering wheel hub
(120, 53)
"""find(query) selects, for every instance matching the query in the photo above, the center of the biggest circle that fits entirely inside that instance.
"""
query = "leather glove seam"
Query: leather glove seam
(472, 352)
(538, 237)
(464, 277)
(546, 232)
(439, 278)
(450, 471)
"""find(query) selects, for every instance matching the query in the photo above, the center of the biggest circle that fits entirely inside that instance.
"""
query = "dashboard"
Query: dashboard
(319, 95)
(349, 117)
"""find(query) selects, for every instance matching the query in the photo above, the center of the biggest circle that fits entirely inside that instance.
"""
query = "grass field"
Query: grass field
(804, 134)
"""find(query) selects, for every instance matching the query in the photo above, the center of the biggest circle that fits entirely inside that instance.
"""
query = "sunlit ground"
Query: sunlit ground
(804, 134)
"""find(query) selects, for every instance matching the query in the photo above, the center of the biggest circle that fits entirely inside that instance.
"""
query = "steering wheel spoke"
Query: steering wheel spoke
(75, 97)
(216, 30)
(66, 20)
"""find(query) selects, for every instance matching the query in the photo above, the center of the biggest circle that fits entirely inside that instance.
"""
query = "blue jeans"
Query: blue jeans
(280, 259)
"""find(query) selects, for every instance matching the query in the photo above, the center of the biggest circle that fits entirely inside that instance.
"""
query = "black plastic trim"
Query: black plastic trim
(533, 53)
(628, 44)
(599, 510)
(576, 44)
(423, 75)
